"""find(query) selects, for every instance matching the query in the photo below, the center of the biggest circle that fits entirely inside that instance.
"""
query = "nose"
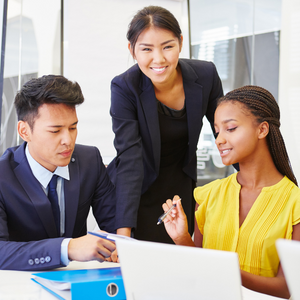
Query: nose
(220, 139)
(66, 137)
(158, 57)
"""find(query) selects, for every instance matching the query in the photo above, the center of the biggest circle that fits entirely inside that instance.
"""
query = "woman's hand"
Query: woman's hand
(176, 223)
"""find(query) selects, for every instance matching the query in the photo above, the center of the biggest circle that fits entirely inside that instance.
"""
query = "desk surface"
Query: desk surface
(23, 278)
(17, 278)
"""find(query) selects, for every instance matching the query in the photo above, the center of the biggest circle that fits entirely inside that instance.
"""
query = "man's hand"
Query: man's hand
(114, 257)
(126, 231)
(90, 247)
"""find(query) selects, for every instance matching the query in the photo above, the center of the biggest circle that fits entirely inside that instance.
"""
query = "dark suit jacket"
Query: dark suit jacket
(137, 134)
(28, 238)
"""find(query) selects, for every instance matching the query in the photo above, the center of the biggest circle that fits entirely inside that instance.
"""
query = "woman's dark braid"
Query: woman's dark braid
(264, 107)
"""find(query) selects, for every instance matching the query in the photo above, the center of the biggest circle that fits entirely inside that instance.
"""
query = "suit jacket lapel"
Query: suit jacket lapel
(72, 191)
(193, 101)
(34, 191)
(148, 101)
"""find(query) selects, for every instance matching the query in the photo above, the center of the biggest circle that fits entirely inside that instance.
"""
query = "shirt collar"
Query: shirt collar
(42, 174)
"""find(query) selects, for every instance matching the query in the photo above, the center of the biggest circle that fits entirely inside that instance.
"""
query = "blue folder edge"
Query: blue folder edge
(91, 282)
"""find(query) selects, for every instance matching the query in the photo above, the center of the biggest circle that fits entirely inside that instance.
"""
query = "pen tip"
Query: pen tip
(158, 222)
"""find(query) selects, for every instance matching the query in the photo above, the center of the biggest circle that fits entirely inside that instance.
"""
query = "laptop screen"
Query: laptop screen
(162, 271)
(289, 254)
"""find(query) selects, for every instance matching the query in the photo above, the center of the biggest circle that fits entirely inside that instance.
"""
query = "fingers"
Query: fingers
(105, 248)
(170, 203)
(176, 211)
(180, 210)
(114, 257)
(171, 214)
(166, 206)
(176, 198)
(111, 246)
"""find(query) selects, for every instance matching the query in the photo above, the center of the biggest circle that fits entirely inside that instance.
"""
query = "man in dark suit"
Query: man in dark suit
(49, 183)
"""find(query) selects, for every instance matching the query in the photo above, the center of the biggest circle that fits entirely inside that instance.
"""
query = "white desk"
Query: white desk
(18, 278)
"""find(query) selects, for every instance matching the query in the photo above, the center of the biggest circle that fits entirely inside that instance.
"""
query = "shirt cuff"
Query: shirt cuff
(64, 257)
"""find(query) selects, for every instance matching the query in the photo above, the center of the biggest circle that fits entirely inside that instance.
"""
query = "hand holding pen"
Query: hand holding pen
(175, 220)
(164, 215)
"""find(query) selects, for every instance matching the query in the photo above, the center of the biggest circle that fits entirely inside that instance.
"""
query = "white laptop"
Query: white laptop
(156, 271)
(289, 254)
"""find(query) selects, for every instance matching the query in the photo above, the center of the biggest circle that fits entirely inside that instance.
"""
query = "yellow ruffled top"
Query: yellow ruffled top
(272, 216)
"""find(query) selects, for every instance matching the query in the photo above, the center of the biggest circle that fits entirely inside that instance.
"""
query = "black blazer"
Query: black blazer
(28, 237)
(137, 135)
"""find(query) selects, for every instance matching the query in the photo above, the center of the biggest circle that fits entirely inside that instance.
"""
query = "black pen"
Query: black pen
(162, 217)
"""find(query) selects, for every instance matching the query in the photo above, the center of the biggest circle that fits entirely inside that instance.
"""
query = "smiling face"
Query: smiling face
(238, 134)
(52, 140)
(157, 53)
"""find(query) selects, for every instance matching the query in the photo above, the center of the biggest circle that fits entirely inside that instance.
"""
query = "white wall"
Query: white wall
(95, 50)
(45, 18)
(289, 80)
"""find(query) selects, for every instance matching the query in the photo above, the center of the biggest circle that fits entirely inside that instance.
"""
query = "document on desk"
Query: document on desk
(89, 284)
(110, 236)
(61, 290)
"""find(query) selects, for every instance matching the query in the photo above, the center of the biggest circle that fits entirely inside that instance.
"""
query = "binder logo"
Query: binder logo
(112, 290)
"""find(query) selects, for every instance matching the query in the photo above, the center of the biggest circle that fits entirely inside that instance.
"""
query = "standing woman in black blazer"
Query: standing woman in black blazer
(157, 108)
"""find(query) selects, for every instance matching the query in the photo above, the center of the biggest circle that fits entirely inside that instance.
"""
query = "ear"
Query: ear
(24, 131)
(131, 50)
(181, 42)
(263, 130)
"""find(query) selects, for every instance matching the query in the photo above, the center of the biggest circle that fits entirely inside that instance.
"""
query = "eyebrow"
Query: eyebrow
(226, 121)
(151, 45)
(59, 126)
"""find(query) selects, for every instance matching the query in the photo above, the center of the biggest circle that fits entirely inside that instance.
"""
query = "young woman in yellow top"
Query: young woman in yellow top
(247, 211)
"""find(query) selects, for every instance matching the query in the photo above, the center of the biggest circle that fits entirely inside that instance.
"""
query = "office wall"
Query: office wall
(234, 34)
(95, 50)
(289, 80)
(32, 48)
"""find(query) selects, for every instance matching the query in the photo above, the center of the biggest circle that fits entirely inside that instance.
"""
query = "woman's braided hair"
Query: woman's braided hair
(264, 107)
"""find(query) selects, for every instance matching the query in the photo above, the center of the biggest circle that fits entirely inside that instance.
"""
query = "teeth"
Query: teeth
(225, 151)
(159, 69)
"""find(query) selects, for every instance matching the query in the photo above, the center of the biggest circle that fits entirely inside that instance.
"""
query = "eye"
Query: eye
(54, 131)
(231, 129)
(73, 128)
(168, 47)
(216, 134)
(146, 49)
